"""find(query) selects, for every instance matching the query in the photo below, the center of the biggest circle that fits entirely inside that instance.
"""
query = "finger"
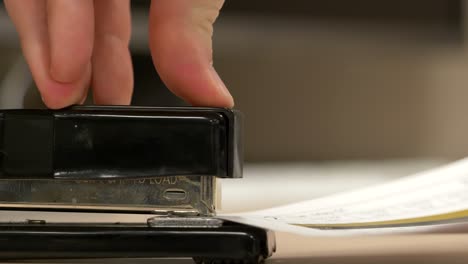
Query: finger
(29, 17)
(71, 31)
(112, 67)
(180, 42)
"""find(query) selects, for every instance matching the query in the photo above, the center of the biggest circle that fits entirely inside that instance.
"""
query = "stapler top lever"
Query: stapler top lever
(105, 142)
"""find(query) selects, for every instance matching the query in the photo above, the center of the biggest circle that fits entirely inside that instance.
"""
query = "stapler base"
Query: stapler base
(227, 243)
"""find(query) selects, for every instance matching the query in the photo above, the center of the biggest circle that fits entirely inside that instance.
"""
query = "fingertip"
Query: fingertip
(57, 95)
(187, 72)
(217, 96)
(226, 98)
(196, 83)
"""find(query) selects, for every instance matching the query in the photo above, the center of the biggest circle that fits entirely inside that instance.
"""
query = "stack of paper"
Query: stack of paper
(432, 201)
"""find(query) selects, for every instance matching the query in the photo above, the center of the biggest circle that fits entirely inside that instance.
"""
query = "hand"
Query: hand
(71, 45)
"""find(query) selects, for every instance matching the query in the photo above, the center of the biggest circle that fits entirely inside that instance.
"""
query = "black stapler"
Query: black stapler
(157, 166)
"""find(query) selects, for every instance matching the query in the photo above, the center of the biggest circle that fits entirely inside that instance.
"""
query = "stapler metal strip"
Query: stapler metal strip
(160, 163)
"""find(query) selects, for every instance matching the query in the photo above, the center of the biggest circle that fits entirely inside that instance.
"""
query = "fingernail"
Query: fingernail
(83, 99)
(43, 100)
(222, 87)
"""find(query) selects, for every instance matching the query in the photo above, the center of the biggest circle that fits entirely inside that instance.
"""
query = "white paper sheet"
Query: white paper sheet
(428, 201)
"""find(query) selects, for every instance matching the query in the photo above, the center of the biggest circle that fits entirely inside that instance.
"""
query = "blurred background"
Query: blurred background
(336, 94)
(320, 80)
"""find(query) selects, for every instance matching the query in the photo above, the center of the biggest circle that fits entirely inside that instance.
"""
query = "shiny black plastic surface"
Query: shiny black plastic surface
(120, 142)
(230, 242)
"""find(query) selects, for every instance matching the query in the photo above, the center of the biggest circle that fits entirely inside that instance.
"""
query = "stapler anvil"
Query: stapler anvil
(160, 164)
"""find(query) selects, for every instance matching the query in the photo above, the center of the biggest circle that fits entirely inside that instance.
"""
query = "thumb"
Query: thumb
(181, 46)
